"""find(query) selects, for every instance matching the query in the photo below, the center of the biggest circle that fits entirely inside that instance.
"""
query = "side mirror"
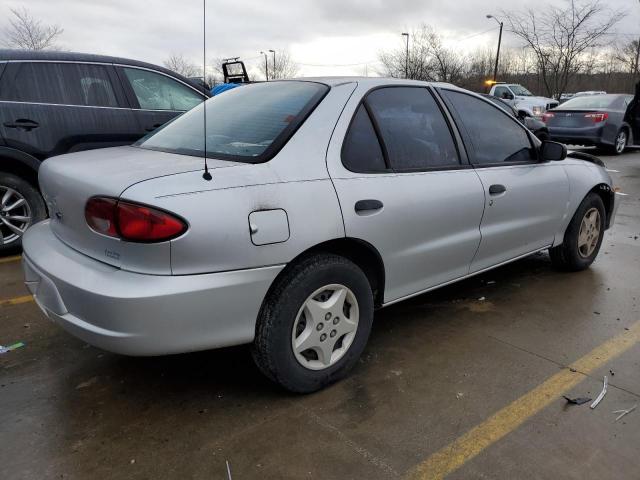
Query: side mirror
(552, 151)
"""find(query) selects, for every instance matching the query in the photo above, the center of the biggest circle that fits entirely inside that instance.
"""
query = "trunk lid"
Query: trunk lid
(68, 181)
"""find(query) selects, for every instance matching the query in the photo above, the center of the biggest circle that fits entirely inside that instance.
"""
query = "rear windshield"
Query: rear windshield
(590, 101)
(250, 123)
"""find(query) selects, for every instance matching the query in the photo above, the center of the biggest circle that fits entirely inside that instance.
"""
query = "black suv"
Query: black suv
(58, 102)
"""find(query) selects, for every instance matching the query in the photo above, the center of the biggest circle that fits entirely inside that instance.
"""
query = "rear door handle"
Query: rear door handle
(364, 207)
(22, 124)
(497, 189)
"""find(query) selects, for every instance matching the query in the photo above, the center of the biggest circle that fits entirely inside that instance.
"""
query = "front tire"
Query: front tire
(20, 207)
(314, 324)
(583, 237)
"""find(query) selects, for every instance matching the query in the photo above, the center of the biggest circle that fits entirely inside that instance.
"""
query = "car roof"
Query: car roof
(372, 81)
(8, 55)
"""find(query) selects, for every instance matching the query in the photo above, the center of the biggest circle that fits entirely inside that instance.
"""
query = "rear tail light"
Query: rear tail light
(131, 221)
(547, 116)
(597, 117)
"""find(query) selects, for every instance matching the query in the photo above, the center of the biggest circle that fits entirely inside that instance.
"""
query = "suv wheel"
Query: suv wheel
(20, 207)
(314, 324)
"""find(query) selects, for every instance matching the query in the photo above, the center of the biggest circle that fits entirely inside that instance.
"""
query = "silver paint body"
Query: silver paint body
(204, 289)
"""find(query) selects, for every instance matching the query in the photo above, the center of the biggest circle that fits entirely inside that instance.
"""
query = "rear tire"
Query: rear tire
(21, 205)
(583, 237)
(300, 343)
(620, 143)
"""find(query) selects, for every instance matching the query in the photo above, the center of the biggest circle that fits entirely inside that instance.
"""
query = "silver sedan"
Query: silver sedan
(292, 210)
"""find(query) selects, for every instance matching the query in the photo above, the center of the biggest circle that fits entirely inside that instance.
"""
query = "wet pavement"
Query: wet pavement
(436, 367)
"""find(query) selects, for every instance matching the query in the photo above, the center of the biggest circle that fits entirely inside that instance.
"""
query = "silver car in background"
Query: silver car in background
(322, 200)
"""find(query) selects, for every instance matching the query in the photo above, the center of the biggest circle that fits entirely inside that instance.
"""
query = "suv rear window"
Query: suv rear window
(249, 124)
(59, 83)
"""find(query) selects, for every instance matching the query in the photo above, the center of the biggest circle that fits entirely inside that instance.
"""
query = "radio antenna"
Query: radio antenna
(206, 175)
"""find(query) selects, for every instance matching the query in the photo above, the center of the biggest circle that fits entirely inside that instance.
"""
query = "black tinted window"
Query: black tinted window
(249, 123)
(413, 129)
(59, 83)
(495, 136)
(361, 151)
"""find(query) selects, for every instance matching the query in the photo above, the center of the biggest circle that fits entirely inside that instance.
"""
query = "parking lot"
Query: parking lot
(466, 381)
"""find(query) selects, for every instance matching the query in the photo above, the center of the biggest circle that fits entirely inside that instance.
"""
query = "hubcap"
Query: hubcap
(15, 215)
(589, 233)
(325, 327)
(621, 142)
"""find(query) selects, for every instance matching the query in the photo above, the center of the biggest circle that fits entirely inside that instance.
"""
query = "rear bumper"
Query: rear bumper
(578, 136)
(137, 314)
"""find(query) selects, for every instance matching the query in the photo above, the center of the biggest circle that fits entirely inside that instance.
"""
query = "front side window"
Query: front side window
(249, 123)
(159, 92)
(59, 83)
(503, 92)
(413, 128)
(496, 137)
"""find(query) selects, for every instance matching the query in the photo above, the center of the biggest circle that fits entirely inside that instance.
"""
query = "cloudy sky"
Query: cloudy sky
(326, 37)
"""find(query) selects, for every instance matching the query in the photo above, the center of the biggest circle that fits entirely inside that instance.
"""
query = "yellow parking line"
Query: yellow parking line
(466, 447)
(16, 301)
(10, 259)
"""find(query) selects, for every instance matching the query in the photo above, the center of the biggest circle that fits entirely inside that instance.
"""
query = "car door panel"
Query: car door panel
(45, 124)
(526, 216)
(525, 199)
(427, 231)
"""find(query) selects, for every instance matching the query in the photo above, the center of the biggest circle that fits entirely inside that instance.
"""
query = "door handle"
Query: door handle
(22, 124)
(153, 127)
(364, 207)
(497, 189)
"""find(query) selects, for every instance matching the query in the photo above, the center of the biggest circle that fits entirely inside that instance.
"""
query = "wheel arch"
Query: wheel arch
(20, 164)
(360, 252)
(606, 193)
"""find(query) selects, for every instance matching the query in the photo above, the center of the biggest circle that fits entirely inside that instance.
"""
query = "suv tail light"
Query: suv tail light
(597, 117)
(547, 116)
(131, 221)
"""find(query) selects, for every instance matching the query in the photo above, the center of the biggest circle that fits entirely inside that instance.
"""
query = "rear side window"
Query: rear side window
(496, 137)
(159, 92)
(361, 151)
(249, 123)
(413, 129)
(59, 83)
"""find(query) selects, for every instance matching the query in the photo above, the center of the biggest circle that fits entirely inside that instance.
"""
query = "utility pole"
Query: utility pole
(406, 57)
(495, 69)
(266, 65)
(273, 71)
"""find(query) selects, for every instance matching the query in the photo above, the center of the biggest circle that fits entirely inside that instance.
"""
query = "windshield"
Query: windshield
(250, 123)
(520, 91)
(590, 101)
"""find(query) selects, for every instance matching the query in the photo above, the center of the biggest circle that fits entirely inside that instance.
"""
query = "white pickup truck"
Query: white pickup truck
(522, 99)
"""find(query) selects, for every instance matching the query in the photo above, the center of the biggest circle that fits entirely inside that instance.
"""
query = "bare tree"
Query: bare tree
(28, 33)
(627, 55)
(428, 59)
(284, 66)
(179, 64)
(560, 38)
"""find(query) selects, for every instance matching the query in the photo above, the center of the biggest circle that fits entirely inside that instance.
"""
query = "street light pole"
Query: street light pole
(406, 58)
(495, 69)
(273, 70)
(266, 65)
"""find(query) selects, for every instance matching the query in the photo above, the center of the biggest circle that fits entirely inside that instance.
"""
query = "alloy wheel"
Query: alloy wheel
(589, 232)
(325, 327)
(15, 215)
(621, 141)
